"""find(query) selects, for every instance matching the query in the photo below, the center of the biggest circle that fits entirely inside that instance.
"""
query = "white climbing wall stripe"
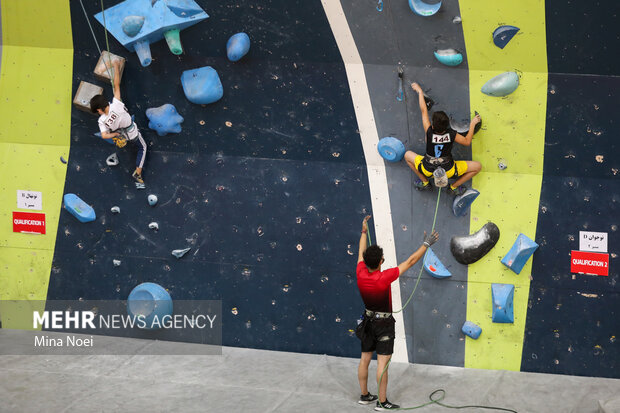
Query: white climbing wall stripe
(377, 179)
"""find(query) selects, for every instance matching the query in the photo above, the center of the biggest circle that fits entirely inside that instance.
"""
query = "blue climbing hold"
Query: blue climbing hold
(521, 251)
(151, 302)
(433, 266)
(503, 295)
(503, 34)
(78, 208)
(132, 25)
(424, 9)
(472, 330)
(461, 203)
(164, 119)
(237, 46)
(501, 85)
(449, 57)
(391, 149)
(202, 86)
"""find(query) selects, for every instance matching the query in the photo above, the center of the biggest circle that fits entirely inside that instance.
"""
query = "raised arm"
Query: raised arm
(419, 253)
(117, 79)
(466, 140)
(422, 103)
(363, 239)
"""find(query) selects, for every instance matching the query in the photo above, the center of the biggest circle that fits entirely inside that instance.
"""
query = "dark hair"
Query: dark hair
(98, 102)
(441, 122)
(373, 256)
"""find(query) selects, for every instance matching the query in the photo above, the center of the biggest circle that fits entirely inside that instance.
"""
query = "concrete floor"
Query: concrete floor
(246, 380)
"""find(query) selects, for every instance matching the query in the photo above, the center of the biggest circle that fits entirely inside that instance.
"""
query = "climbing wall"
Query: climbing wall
(267, 186)
(572, 321)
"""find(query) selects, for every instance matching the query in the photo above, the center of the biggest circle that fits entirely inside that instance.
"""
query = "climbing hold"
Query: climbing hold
(154, 226)
(462, 126)
(78, 208)
(63, 160)
(521, 251)
(173, 39)
(502, 164)
(116, 263)
(472, 330)
(429, 102)
(501, 85)
(151, 303)
(115, 210)
(449, 57)
(440, 177)
(503, 295)
(112, 160)
(139, 185)
(457, 20)
(380, 5)
(433, 266)
(423, 9)
(164, 119)
(179, 253)
(391, 149)
(503, 34)
(132, 25)
(143, 50)
(185, 10)
(468, 249)
(152, 199)
(462, 202)
(400, 96)
(237, 46)
(202, 86)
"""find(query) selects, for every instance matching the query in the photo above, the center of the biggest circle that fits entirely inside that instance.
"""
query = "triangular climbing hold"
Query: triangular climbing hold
(503, 296)
(461, 203)
(521, 251)
(503, 34)
(433, 266)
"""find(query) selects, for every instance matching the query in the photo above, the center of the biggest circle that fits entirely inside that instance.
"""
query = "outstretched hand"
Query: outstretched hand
(416, 87)
(365, 223)
(430, 239)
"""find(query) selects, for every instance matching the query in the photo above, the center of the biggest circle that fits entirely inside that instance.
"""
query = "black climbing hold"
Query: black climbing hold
(429, 102)
(470, 248)
(63, 160)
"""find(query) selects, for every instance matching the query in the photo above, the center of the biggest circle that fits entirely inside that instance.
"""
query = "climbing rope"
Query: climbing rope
(92, 32)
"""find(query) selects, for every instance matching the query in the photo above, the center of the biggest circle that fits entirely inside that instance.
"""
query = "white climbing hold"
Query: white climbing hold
(155, 226)
(116, 262)
(152, 199)
(457, 20)
(179, 253)
(115, 210)
(112, 160)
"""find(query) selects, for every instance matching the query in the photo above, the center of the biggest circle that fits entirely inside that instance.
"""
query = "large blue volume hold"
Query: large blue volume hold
(461, 203)
(501, 85)
(433, 266)
(202, 86)
(503, 295)
(237, 46)
(164, 119)
(472, 330)
(78, 208)
(391, 149)
(519, 253)
(151, 302)
(503, 34)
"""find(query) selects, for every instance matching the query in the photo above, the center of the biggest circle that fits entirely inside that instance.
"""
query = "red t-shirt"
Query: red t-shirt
(375, 287)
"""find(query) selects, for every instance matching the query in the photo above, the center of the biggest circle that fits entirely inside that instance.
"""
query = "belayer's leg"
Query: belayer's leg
(382, 381)
(362, 371)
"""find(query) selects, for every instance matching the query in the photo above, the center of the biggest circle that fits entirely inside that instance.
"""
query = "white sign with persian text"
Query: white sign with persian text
(592, 241)
(29, 200)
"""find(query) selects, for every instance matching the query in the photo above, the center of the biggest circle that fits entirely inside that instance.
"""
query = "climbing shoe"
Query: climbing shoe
(419, 185)
(385, 406)
(459, 190)
(137, 177)
(367, 399)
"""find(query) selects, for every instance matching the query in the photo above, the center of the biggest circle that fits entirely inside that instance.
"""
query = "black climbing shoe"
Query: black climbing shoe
(419, 185)
(137, 177)
(367, 399)
(385, 406)
(459, 190)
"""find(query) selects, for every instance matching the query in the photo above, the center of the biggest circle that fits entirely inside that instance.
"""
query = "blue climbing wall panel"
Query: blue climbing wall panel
(268, 186)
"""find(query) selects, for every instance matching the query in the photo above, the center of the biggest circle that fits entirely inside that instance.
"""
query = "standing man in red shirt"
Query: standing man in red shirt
(376, 331)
